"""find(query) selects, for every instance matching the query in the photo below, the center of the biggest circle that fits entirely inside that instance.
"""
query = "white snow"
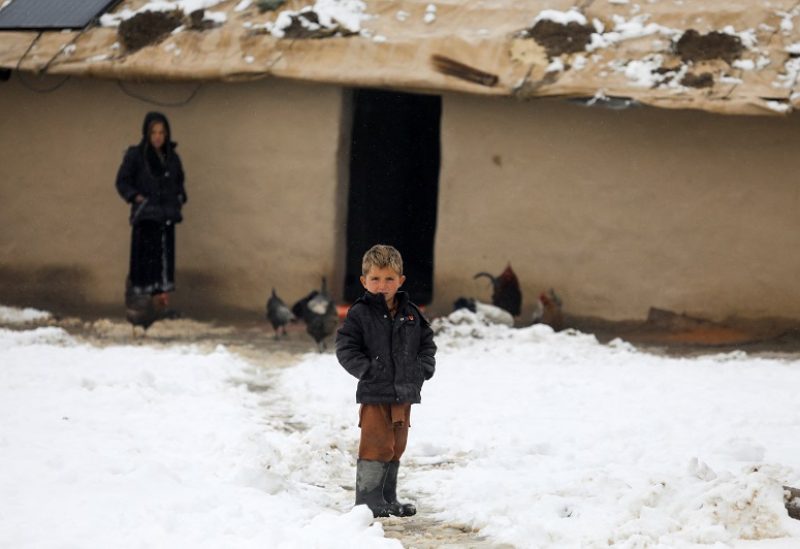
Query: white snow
(727, 79)
(188, 6)
(15, 315)
(556, 65)
(136, 447)
(642, 72)
(430, 14)
(347, 14)
(579, 62)
(218, 17)
(243, 5)
(628, 29)
(98, 58)
(787, 20)
(562, 17)
(540, 440)
(788, 79)
(547, 440)
(747, 36)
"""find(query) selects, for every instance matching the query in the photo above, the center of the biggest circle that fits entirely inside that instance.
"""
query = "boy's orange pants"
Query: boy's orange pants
(384, 431)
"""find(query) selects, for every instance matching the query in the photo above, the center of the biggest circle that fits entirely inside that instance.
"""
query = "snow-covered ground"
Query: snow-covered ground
(537, 439)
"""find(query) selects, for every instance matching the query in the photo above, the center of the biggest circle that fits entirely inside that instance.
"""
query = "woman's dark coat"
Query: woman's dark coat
(159, 181)
(390, 358)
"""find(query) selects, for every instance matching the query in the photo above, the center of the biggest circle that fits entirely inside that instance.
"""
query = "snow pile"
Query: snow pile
(561, 17)
(135, 447)
(464, 325)
(187, 6)
(787, 19)
(627, 29)
(40, 336)
(430, 14)
(242, 5)
(14, 315)
(325, 16)
(791, 72)
(552, 440)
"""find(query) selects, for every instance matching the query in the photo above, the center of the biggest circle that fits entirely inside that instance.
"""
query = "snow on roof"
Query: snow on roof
(736, 56)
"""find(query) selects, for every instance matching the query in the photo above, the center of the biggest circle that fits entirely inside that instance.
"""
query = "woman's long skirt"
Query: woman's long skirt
(152, 265)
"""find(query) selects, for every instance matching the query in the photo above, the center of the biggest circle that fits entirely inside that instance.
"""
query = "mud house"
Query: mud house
(629, 155)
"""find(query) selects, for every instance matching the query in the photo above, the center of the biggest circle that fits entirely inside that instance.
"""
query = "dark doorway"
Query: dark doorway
(394, 184)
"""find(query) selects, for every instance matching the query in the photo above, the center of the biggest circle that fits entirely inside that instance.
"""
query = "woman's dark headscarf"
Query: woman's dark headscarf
(156, 164)
(150, 119)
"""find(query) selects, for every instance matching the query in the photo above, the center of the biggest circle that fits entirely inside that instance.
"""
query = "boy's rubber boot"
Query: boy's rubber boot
(370, 476)
(390, 493)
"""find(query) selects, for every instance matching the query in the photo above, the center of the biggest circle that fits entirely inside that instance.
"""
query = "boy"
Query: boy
(387, 344)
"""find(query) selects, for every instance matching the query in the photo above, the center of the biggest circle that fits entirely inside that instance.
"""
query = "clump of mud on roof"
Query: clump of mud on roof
(693, 46)
(148, 27)
(559, 38)
(702, 80)
(306, 24)
(197, 21)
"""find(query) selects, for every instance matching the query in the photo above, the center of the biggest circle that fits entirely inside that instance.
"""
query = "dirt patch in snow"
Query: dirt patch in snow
(422, 532)
(149, 27)
(557, 38)
(693, 46)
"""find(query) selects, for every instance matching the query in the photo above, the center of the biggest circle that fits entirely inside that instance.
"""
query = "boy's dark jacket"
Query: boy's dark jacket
(390, 358)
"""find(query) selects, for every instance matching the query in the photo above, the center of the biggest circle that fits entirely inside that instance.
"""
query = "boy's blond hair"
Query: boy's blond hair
(380, 256)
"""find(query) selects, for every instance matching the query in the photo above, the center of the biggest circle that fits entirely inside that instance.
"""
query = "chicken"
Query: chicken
(145, 309)
(319, 313)
(278, 313)
(492, 313)
(548, 310)
(506, 294)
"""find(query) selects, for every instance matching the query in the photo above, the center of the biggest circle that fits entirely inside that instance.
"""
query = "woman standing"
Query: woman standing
(150, 179)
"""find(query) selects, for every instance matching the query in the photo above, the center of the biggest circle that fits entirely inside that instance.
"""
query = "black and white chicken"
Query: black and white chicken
(278, 314)
(319, 313)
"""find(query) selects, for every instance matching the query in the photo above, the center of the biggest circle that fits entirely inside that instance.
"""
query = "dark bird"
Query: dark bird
(278, 313)
(548, 310)
(506, 294)
(145, 309)
(318, 311)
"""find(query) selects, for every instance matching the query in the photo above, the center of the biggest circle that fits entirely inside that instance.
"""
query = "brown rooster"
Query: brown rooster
(548, 310)
(506, 294)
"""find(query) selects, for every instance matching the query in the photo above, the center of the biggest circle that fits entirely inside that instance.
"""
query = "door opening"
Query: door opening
(395, 155)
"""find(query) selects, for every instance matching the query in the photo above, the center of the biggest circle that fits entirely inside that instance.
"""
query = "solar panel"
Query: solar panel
(51, 14)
